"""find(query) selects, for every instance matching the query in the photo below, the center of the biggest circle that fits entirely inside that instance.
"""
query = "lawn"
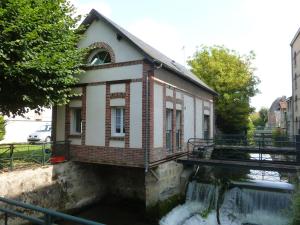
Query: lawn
(22, 155)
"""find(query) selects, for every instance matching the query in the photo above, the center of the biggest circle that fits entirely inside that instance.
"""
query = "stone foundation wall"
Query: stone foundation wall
(71, 185)
(163, 182)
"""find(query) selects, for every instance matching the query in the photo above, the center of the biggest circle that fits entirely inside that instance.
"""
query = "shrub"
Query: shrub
(2, 128)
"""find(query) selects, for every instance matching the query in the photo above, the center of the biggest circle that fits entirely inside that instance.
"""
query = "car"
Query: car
(43, 134)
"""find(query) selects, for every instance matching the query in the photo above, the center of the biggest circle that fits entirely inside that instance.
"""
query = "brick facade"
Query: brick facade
(108, 155)
(83, 115)
(127, 115)
(133, 157)
(107, 116)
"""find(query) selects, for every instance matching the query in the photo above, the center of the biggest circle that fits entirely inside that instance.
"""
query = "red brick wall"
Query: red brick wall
(83, 115)
(108, 155)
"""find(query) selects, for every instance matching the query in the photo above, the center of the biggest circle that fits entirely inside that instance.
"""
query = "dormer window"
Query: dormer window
(99, 56)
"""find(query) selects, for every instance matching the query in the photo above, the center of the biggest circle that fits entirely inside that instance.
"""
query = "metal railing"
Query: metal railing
(169, 140)
(262, 148)
(178, 139)
(49, 217)
(20, 155)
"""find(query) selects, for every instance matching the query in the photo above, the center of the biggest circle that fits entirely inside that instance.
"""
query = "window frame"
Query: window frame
(96, 51)
(74, 120)
(114, 132)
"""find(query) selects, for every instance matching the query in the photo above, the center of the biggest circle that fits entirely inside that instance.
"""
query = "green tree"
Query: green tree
(2, 127)
(38, 54)
(232, 76)
(260, 118)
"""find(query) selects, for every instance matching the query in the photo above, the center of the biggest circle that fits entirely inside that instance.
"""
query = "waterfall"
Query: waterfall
(240, 206)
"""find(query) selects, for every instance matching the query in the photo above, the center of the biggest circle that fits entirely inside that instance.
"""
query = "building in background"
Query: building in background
(18, 128)
(295, 56)
(277, 115)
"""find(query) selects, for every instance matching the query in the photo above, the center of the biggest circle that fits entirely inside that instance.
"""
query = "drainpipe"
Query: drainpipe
(155, 65)
(147, 123)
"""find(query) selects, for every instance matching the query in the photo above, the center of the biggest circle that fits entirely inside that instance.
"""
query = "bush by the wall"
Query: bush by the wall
(2, 127)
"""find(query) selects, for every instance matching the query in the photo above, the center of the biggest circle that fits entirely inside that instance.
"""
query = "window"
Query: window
(169, 129)
(295, 59)
(75, 121)
(178, 129)
(206, 127)
(118, 121)
(99, 56)
(296, 103)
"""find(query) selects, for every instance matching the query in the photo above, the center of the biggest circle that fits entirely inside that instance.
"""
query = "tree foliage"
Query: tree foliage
(2, 127)
(38, 54)
(232, 76)
(260, 118)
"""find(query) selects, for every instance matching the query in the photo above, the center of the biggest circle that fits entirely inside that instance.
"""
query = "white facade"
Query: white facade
(129, 106)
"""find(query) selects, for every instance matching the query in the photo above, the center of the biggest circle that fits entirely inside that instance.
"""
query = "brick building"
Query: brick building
(137, 108)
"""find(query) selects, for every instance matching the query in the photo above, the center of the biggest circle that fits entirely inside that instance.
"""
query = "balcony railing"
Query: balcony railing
(178, 139)
(169, 140)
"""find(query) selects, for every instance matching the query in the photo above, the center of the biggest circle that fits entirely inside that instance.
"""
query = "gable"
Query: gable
(99, 31)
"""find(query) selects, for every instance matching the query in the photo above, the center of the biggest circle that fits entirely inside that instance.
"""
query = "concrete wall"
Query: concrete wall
(71, 185)
(199, 118)
(163, 182)
(158, 116)
(60, 123)
(136, 112)
(95, 115)
(112, 74)
(189, 119)
(99, 31)
(175, 80)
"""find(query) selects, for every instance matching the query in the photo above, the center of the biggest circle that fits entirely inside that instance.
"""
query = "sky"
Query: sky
(177, 28)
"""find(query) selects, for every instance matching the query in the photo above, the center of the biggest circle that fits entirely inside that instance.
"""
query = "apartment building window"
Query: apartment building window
(75, 121)
(295, 59)
(169, 120)
(118, 121)
(296, 103)
(295, 81)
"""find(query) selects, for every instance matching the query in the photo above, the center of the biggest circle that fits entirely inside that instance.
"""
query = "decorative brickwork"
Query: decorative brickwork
(68, 122)
(174, 147)
(102, 45)
(127, 115)
(83, 116)
(54, 122)
(164, 116)
(112, 65)
(108, 155)
(107, 116)
(147, 125)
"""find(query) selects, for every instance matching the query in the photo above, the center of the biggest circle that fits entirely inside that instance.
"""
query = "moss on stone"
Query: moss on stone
(161, 208)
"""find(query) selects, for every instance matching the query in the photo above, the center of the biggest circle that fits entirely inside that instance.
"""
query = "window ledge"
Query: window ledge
(117, 138)
(75, 136)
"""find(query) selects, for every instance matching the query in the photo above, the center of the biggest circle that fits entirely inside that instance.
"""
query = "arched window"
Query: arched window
(99, 56)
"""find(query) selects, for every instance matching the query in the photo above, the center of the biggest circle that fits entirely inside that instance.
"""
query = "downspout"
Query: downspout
(147, 124)
(155, 65)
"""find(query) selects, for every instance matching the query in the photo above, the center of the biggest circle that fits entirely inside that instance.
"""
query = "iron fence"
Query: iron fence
(11, 209)
(262, 148)
(169, 140)
(19, 155)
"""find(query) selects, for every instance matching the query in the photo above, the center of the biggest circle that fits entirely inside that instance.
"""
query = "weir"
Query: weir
(240, 205)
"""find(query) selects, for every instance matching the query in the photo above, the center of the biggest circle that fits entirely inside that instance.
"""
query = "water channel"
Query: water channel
(250, 197)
